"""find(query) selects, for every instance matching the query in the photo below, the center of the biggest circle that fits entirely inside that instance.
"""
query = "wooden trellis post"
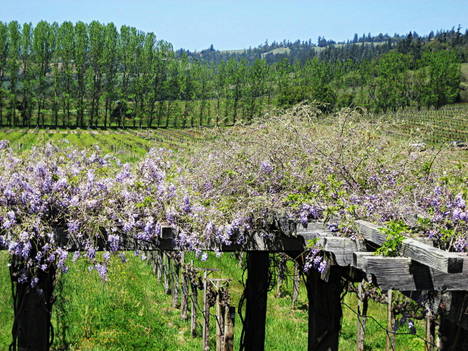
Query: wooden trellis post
(158, 264)
(324, 310)
(32, 311)
(185, 292)
(206, 313)
(295, 292)
(193, 307)
(175, 284)
(166, 266)
(430, 331)
(229, 319)
(453, 326)
(219, 322)
(281, 275)
(256, 294)
(362, 318)
(390, 339)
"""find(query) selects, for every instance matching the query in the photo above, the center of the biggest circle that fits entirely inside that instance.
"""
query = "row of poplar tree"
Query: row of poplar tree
(95, 75)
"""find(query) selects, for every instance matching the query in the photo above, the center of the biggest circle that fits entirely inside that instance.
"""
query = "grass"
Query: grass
(448, 124)
(131, 312)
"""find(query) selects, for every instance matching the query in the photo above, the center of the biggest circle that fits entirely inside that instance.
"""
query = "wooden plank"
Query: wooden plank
(447, 262)
(403, 274)
(342, 248)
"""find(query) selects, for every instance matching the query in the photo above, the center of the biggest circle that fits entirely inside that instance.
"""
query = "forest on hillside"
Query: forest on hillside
(96, 75)
(360, 48)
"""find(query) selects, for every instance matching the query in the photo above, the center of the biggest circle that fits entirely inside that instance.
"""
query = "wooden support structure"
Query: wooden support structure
(423, 268)
(166, 266)
(363, 303)
(185, 295)
(430, 331)
(324, 310)
(281, 275)
(295, 288)
(453, 329)
(175, 284)
(256, 295)
(206, 314)
(390, 337)
(219, 323)
(229, 319)
(444, 261)
(193, 309)
(32, 311)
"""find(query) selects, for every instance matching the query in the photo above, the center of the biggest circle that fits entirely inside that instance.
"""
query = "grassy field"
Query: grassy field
(127, 145)
(131, 311)
(446, 125)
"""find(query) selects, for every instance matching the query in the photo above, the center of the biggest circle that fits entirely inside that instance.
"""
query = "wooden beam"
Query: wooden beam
(256, 294)
(324, 310)
(444, 261)
(403, 274)
(341, 248)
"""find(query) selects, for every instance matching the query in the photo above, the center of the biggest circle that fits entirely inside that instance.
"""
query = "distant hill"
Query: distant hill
(360, 48)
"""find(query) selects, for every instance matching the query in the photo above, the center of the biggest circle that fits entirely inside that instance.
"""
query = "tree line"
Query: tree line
(97, 75)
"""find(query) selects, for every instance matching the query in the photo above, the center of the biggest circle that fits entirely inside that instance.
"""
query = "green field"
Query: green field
(446, 125)
(131, 312)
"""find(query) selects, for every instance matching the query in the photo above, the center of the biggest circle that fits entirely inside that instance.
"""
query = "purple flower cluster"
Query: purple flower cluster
(315, 260)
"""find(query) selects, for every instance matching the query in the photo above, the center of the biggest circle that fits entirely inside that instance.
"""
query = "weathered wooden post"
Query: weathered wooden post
(362, 318)
(256, 294)
(281, 275)
(158, 263)
(390, 339)
(193, 306)
(206, 314)
(295, 292)
(453, 326)
(185, 292)
(219, 321)
(175, 284)
(324, 310)
(229, 319)
(166, 266)
(32, 311)
(430, 331)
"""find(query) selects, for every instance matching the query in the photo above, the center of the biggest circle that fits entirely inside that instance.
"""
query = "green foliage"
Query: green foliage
(394, 231)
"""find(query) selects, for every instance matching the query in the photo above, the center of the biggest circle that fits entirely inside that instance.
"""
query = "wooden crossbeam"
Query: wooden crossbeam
(401, 273)
(447, 262)
(341, 248)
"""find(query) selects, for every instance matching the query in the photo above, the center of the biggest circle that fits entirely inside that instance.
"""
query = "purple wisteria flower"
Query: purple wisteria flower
(266, 167)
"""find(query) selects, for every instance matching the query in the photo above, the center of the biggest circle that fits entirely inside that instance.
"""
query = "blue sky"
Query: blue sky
(234, 24)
